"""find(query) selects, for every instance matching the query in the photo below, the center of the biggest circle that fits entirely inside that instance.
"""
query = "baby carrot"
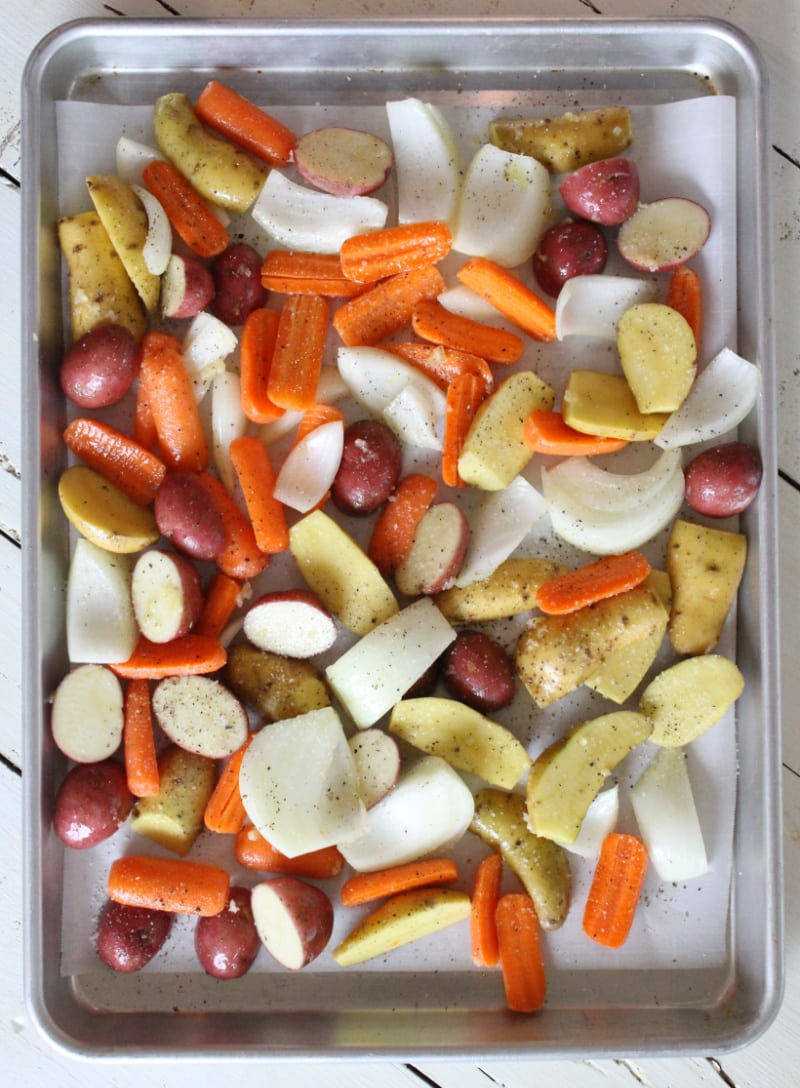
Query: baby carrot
(186, 210)
(592, 582)
(253, 468)
(254, 852)
(369, 257)
(188, 655)
(546, 432)
(221, 601)
(464, 396)
(242, 557)
(118, 458)
(383, 309)
(510, 296)
(232, 115)
(291, 273)
(442, 364)
(170, 395)
(685, 294)
(224, 811)
(615, 890)
(144, 428)
(299, 347)
(138, 741)
(433, 322)
(483, 918)
(256, 348)
(393, 532)
(381, 883)
(314, 416)
(183, 887)
(520, 952)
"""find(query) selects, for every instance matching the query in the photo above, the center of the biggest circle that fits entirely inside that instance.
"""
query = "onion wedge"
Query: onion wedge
(427, 162)
(500, 522)
(310, 467)
(592, 305)
(663, 804)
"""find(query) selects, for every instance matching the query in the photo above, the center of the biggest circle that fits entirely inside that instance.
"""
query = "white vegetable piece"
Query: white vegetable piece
(665, 811)
(724, 392)
(299, 784)
(429, 809)
(101, 626)
(465, 302)
(380, 668)
(201, 715)
(310, 467)
(207, 344)
(87, 716)
(311, 221)
(157, 248)
(599, 821)
(504, 206)
(604, 512)
(427, 162)
(500, 522)
(378, 761)
(416, 414)
(131, 158)
(592, 305)
(228, 422)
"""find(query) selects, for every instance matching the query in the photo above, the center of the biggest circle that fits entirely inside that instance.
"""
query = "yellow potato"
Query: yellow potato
(658, 355)
(103, 514)
(686, 699)
(508, 591)
(565, 142)
(174, 816)
(277, 687)
(125, 219)
(705, 567)
(604, 404)
(624, 669)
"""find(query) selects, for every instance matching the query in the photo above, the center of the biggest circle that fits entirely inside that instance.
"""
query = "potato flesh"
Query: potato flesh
(404, 918)
(125, 219)
(103, 514)
(277, 687)
(508, 591)
(658, 355)
(685, 700)
(705, 566)
(174, 816)
(604, 404)
(568, 141)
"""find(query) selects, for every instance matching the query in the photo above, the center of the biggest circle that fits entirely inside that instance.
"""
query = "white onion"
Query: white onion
(665, 811)
(307, 473)
(500, 522)
(158, 243)
(599, 821)
(228, 422)
(592, 305)
(426, 161)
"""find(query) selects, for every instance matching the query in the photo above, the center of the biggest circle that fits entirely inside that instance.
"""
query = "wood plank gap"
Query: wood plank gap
(10, 765)
(9, 179)
(787, 479)
(723, 1076)
(785, 155)
(422, 1076)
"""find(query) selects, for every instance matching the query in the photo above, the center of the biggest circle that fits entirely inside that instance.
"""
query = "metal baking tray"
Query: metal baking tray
(450, 1014)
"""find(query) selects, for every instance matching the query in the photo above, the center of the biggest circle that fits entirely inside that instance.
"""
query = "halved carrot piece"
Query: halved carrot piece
(441, 364)
(685, 294)
(510, 296)
(186, 210)
(383, 309)
(464, 396)
(224, 811)
(221, 600)
(173, 884)
(483, 919)
(615, 890)
(138, 741)
(189, 655)
(170, 395)
(393, 532)
(118, 458)
(374, 255)
(256, 349)
(520, 951)
(433, 322)
(381, 883)
(253, 467)
(546, 432)
(234, 116)
(602, 578)
(291, 273)
(253, 851)
(299, 348)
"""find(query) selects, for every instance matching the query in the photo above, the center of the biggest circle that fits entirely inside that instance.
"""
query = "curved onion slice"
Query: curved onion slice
(599, 821)
(663, 804)
(158, 243)
(592, 305)
(131, 159)
(228, 421)
(207, 344)
(427, 162)
(724, 392)
(499, 523)
(308, 471)
(604, 513)
(465, 302)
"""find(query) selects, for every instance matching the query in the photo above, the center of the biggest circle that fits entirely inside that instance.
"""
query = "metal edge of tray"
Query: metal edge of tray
(752, 998)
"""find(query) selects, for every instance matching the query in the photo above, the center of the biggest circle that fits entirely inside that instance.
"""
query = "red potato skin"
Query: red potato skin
(723, 481)
(423, 575)
(100, 368)
(237, 284)
(359, 165)
(92, 802)
(479, 672)
(228, 943)
(604, 192)
(188, 518)
(312, 911)
(192, 281)
(369, 469)
(571, 248)
(129, 937)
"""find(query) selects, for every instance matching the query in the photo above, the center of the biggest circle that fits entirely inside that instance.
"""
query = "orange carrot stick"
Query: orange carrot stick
(234, 116)
(299, 348)
(464, 396)
(369, 257)
(242, 557)
(433, 322)
(138, 741)
(592, 582)
(546, 432)
(186, 210)
(315, 416)
(381, 883)
(254, 852)
(256, 348)
(221, 601)
(483, 919)
(510, 296)
(520, 951)
(442, 364)
(383, 309)
(291, 273)
(189, 655)
(256, 476)
(118, 458)
(615, 890)
(183, 887)
(685, 294)
(393, 532)
(144, 428)
(170, 395)
(224, 811)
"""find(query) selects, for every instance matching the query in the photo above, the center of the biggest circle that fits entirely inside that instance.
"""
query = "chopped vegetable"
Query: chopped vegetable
(616, 887)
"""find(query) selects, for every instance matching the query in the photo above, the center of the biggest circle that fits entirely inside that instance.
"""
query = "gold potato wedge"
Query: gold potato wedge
(103, 514)
(565, 142)
(541, 864)
(603, 404)
(125, 219)
(277, 687)
(567, 776)
(174, 816)
(686, 699)
(624, 669)
(508, 591)
(658, 355)
(463, 737)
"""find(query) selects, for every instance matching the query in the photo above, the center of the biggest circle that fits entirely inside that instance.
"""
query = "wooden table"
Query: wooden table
(770, 1062)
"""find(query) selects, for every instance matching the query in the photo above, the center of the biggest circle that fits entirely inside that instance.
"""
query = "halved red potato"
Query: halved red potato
(187, 287)
(604, 192)
(664, 234)
(87, 715)
(437, 554)
(292, 622)
(166, 593)
(294, 920)
(200, 715)
(343, 161)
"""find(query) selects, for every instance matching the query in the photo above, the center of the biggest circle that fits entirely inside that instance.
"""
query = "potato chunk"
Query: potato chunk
(604, 404)
(705, 567)
(568, 141)
(174, 816)
(658, 354)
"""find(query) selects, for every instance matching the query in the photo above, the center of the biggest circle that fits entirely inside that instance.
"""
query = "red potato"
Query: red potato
(722, 481)
(99, 369)
(200, 715)
(369, 468)
(92, 803)
(437, 554)
(479, 672)
(604, 192)
(228, 943)
(188, 518)
(167, 595)
(292, 622)
(378, 763)
(664, 234)
(237, 283)
(571, 248)
(129, 937)
(87, 716)
(187, 287)
(294, 920)
(343, 161)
